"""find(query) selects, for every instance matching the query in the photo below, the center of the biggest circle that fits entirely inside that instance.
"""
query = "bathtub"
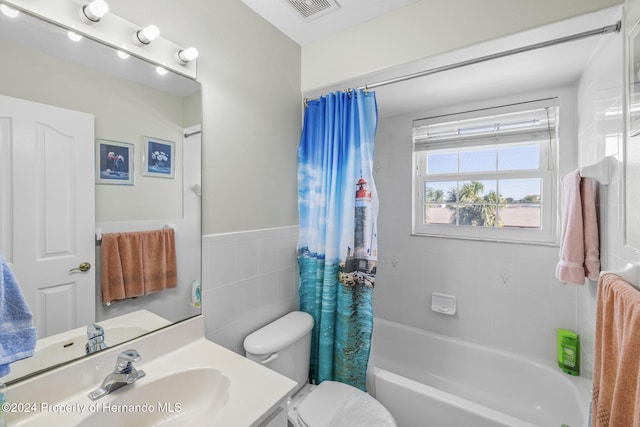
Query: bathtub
(425, 379)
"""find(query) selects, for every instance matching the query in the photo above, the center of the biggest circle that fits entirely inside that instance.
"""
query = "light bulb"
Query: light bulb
(161, 70)
(9, 11)
(147, 34)
(95, 10)
(187, 55)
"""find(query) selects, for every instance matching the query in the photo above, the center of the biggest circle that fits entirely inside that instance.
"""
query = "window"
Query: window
(487, 174)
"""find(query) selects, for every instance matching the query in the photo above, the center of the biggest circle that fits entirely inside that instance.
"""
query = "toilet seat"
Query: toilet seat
(334, 404)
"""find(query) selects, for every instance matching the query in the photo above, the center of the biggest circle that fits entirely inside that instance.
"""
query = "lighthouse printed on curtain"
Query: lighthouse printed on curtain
(359, 264)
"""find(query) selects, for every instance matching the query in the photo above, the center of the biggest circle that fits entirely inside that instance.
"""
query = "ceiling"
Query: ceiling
(349, 13)
(538, 69)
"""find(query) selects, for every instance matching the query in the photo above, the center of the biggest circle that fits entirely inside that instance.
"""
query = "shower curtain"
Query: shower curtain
(337, 248)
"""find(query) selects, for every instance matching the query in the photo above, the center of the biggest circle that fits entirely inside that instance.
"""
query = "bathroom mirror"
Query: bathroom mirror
(130, 103)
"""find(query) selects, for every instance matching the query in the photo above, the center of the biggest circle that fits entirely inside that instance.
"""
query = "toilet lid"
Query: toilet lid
(334, 404)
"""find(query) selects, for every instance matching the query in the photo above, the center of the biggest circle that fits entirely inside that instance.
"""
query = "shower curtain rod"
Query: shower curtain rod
(604, 30)
(614, 28)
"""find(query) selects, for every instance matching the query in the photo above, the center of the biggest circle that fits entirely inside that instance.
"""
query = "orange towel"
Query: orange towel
(616, 379)
(137, 264)
(159, 260)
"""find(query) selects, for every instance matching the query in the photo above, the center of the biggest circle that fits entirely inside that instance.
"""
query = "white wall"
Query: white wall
(602, 90)
(508, 296)
(632, 149)
(424, 29)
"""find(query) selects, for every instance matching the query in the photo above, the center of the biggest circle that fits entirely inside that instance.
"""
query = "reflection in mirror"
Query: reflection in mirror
(124, 101)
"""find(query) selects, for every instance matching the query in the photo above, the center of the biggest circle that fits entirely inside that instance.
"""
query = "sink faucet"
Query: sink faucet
(123, 374)
(95, 338)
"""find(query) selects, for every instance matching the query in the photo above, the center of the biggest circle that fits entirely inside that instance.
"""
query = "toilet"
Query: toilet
(284, 346)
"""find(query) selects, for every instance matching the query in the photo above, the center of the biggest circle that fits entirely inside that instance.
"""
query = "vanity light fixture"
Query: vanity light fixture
(95, 19)
(9, 11)
(186, 55)
(95, 10)
(147, 34)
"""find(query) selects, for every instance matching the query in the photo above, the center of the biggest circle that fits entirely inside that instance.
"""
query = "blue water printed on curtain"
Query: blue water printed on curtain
(337, 249)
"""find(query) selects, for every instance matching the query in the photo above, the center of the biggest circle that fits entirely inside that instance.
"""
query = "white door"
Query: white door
(48, 211)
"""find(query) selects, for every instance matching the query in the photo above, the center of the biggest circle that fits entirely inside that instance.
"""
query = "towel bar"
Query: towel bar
(630, 273)
(99, 232)
(601, 171)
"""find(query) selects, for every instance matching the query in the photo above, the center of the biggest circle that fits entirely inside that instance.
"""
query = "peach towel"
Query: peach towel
(137, 264)
(579, 245)
(616, 383)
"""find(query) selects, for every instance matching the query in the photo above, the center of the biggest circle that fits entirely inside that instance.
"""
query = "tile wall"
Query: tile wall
(507, 294)
(601, 129)
(249, 279)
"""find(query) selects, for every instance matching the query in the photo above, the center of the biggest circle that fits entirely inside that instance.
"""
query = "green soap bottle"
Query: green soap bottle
(568, 351)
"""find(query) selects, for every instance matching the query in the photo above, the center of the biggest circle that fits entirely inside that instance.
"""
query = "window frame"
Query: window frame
(548, 143)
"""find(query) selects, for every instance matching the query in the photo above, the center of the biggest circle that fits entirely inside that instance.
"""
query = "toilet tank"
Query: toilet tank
(283, 345)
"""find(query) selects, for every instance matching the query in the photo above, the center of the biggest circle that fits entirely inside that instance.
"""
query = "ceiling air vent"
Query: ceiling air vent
(312, 9)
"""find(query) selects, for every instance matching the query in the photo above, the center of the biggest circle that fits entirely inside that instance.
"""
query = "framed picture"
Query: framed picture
(114, 162)
(159, 158)
(634, 80)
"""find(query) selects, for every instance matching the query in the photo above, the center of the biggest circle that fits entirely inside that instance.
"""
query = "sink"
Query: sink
(51, 351)
(70, 345)
(190, 381)
(186, 398)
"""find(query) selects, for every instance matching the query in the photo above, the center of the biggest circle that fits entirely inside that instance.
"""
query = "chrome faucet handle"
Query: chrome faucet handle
(123, 374)
(95, 338)
(94, 330)
(125, 361)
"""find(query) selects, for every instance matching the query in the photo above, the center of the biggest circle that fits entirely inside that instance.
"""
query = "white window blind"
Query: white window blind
(487, 173)
(502, 124)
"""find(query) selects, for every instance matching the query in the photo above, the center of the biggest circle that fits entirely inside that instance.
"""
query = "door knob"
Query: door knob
(84, 266)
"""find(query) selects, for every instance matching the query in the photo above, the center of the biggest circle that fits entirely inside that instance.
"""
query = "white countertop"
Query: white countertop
(253, 392)
(70, 345)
